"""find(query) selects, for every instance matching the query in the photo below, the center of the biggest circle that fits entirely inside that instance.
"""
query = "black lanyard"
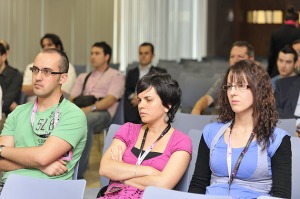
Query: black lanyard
(238, 162)
(141, 156)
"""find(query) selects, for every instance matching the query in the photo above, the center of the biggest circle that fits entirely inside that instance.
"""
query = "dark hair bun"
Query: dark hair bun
(291, 9)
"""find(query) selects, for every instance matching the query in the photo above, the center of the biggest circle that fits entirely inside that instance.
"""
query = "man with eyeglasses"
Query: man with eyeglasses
(49, 40)
(241, 50)
(44, 138)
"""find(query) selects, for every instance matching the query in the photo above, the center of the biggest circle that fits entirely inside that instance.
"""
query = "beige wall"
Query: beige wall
(79, 23)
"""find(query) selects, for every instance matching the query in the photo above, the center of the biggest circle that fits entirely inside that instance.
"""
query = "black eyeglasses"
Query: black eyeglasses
(238, 87)
(46, 71)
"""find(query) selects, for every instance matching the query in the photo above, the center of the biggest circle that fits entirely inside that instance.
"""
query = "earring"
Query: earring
(166, 119)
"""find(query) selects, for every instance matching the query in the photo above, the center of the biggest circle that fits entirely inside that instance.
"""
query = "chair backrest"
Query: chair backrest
(184, 183)
(174, 72)
(132, 66)
(289, 125)
(119, 116)
(195, 135)
(22, 99)
(26, 187)
(170, 65)
(75, 174)
(108, 140)
(115, 66)
(192, 89)
(80, 69)
(184, 121)
(152, 192)
(295, 141)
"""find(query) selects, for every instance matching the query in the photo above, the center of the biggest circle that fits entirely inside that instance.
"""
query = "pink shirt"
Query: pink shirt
(128, 134)
(101, 84)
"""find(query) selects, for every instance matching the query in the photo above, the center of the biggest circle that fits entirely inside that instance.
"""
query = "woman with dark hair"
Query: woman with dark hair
(51, 41)
(243, 155)
(152, 153)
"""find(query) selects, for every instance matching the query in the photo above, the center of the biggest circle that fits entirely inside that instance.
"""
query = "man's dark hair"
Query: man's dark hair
(148, 44)
(64, 60)
(55, 40)
(250, 49)
(106, 48)
(291, 14)
(287, 49)
(297, 41)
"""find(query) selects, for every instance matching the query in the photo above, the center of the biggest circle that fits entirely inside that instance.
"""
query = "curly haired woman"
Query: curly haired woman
(244, 155)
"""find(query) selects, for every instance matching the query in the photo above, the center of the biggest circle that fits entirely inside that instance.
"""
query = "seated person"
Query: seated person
(287, 95)
(152, 153)
(44, 139)
(286, 64)
(10, 82)
(106, 86)
(296, 46)
(1, 121)
(240, 50)
(244, 155)
(48, 41)
(146, 54)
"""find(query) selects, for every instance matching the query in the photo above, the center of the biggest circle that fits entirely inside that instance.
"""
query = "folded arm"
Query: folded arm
(117, 170)
(169, 177)
(7, 165)
(52, 150)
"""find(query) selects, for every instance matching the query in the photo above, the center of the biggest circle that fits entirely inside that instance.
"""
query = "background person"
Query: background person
(286, 64)
(241, 50)
(107, 86)
(288, 33)
(287, 95)
(296, 46)
(10, 82)
(146, 55)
